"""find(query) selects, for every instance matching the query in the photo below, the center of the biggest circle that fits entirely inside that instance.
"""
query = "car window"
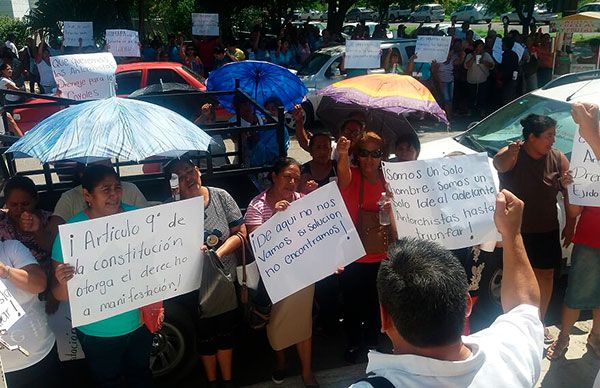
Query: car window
(504, 127)
(156, 76)
(313, 64)
(128, 81)
(333, 69)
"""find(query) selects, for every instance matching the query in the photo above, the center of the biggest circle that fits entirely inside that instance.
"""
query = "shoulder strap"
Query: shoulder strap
(377, 382)
(361, 191)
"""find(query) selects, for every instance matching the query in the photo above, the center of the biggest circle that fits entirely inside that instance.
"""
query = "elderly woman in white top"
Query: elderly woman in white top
(24, 278)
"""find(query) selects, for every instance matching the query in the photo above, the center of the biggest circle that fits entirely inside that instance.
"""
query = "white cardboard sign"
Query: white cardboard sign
(363, 54)
(123, 43)
(10, 310)
(205, 24)
(447, 200)
(130, 260)
(305, 243)
(585, 169)
(84, 76)
(432, 48)
(67, 343)
(497, 50)
(73, 31)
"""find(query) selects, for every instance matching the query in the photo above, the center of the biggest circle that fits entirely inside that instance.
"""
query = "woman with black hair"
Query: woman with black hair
(535, 172)
(117, 348)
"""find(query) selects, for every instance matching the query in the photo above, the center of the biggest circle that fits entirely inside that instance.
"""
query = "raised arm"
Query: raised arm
(506, 158)
(519, 285)
(343, 164)
(31, 278)
(40, 51)
(301, 135)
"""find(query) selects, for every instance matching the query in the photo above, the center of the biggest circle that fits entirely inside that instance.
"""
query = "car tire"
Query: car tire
(472, 20)
(174, 346)
(427, 19)
(505, 20)
(488, 306)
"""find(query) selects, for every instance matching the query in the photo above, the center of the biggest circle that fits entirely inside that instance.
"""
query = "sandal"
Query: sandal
(558, 349)
(593, 344)
(548, 337)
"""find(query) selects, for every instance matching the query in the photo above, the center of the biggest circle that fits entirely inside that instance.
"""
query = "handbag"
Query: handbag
(217, 290)
(256, 305)
(153, 316)
(373, 235)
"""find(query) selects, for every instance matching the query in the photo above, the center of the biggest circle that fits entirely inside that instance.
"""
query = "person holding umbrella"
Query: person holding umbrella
(119, 347)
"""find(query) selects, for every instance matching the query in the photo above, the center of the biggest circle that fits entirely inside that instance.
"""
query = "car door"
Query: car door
(128, 82)
(156, 76)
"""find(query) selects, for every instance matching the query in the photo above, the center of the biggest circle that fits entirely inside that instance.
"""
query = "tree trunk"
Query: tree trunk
(336, 13)
(141, 16)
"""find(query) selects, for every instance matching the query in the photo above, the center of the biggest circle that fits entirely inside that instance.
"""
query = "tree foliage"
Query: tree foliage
(16, 26)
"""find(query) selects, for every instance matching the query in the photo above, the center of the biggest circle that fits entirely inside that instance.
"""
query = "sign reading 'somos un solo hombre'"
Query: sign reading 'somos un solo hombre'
(132, 259)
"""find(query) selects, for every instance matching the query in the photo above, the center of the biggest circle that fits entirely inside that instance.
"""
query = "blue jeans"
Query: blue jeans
(119, 362)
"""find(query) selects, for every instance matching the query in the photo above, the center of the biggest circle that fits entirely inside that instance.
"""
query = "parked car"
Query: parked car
(540, 15)
(348, 29)
(396, 13)
(359, 13)
(322, 68)
(589, 7)
(309, 14)
(129, 77)
(472, 13)
(427, 13)
(503, 127)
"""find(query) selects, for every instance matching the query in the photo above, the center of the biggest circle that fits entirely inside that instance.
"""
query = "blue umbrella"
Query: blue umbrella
(112, 128)
(260, 80)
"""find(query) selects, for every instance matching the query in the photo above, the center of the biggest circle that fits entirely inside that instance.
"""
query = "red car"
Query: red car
(129, 77)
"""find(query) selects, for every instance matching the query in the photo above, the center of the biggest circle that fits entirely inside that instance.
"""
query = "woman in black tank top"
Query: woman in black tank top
(320, 168)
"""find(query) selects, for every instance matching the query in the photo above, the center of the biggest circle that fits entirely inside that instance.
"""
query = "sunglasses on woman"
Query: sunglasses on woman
(375, 154)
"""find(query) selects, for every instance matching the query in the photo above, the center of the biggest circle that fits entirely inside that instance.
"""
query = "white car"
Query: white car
(503, 127)
(540, 15)
(589, 7)
(309, 14)
(428, 13)
(348, 29)
(472, 13)
(396, 13)
(322, 68)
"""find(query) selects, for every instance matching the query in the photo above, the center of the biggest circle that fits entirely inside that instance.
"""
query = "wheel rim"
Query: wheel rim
(168, 349)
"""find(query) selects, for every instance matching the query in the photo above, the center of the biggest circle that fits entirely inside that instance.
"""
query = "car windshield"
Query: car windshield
(194, 74)
(504, 127)
(313, 64)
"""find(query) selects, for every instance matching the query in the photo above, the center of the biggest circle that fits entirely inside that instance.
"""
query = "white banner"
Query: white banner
(205, 24)
(84, 76)
(123, 43)
(73, 31)
(10, 310)
(585, 168)
(67, 343)
(132, 259)
(305, 243)
(432, 48)
(363, 54)
(448, 200)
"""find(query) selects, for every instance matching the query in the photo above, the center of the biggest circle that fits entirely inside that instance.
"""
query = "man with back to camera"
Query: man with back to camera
(424, 301)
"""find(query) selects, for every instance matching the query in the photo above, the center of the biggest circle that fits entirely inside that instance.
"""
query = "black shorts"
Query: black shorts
(216, 333)
(543, 249)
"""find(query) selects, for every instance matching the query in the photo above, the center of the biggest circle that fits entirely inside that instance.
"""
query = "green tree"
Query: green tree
(16, 26)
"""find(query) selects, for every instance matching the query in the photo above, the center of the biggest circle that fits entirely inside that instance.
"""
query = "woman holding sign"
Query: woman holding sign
(536, 173)
(291, 318)
(218, 302)
(116, 348)
(24, 278)
(362, 189)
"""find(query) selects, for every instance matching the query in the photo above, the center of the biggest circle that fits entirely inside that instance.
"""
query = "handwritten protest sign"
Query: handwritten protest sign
(129, 260)
(447, 200)
(67, 343)
(497, 50)
(84, 76)
(10, 309)
(305, 243)
(585, 169)
(205, 24)
(362, 54)
(123, 43)
(432, 48)
(73, 31)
